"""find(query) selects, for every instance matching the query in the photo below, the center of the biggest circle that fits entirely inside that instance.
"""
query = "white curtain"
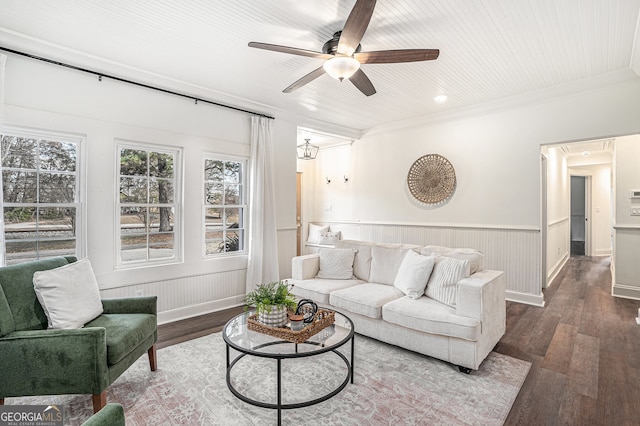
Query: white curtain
(3, 61)
(263, 247)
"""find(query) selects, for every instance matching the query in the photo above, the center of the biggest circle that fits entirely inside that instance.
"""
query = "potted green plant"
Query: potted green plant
(272, 301)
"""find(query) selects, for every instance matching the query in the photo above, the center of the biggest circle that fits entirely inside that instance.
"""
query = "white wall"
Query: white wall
(43, 96)
(496, 155)
(626, 227)
(558, 209)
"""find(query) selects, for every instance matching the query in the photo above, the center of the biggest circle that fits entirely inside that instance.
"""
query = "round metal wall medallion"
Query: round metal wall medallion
(431, 179)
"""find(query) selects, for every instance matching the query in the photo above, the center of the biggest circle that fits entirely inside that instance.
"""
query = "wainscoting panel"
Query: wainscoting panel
(196, 295)
(558, 249)
(626, 268)
(516, 251)
(189, 296)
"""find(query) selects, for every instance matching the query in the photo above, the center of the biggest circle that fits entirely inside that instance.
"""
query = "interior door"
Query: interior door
(578, 215)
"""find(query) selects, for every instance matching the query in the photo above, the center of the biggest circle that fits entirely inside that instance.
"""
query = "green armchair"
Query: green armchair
(39, 361)
(111, 415)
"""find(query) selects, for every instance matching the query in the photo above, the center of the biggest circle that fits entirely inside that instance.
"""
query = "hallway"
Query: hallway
(585, 349)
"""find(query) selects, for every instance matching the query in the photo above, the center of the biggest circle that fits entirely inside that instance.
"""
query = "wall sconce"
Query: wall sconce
(346, 179)
(328, 181)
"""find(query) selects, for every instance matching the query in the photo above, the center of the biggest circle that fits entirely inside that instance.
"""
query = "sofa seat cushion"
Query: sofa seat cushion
(124, 332)
(430, 316)
(365, 299)
(318, 289)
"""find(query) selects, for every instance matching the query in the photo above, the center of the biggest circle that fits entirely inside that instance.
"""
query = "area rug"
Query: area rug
(391, 386)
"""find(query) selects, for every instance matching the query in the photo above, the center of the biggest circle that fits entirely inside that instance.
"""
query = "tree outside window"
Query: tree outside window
(40, 197)
(224, 206)
(147, 204)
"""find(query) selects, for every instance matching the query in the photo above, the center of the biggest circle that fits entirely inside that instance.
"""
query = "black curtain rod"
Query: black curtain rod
(135, 83)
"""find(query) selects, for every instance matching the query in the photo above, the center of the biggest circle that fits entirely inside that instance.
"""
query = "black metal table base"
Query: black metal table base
(279, 406)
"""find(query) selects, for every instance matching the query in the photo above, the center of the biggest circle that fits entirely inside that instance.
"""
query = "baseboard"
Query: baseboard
(603, 252)
(526, 298)
(200, 309)
(556, 269)
(625, 291)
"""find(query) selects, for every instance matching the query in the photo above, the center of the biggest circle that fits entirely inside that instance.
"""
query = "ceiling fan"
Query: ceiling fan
(342, 53)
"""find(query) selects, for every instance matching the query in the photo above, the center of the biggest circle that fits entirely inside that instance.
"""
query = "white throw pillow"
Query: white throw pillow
(329, 237)
(362, 260)
(413, 274)
(336, 264)
(315, 231)
(443, 284)
(69, 294)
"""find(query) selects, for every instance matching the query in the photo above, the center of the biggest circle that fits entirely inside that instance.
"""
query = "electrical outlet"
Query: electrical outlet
(139, 293)
(635, 211)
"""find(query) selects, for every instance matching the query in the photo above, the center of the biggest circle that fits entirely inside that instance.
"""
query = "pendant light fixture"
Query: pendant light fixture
(306, 151)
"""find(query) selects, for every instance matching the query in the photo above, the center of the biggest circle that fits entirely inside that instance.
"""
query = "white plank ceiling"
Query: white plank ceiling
(489, 49)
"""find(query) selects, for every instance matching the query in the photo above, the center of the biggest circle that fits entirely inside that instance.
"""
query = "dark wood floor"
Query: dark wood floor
(584, 346)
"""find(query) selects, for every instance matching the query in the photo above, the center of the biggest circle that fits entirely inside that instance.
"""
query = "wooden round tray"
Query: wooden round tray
(323, 319)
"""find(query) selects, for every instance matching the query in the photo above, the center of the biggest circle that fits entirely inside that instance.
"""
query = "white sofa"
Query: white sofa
(462, 332)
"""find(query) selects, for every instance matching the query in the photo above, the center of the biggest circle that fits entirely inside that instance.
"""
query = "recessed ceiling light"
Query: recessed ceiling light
(440, 98)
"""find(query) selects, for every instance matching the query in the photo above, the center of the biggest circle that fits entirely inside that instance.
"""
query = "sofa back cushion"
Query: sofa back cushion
(386, 260)
(362, 259)
(7, 325)
(475, 257)
(20, 297)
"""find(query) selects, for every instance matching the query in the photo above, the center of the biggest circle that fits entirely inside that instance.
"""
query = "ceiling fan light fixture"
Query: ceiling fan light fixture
(306, 151)
(341, 67)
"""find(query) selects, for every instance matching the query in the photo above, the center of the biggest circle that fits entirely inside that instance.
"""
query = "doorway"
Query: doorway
(579, 217)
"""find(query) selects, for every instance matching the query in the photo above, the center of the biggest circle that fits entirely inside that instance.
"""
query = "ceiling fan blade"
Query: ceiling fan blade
(304, 80)
(290, 50)
(356, 25)
(362, 82)
(394, 56)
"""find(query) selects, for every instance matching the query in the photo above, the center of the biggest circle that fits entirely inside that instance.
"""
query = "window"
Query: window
(224, 205)
(41, 202)
(148, 204)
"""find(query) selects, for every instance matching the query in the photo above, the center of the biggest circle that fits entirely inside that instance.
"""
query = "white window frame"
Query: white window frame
(80, 183)
(177, 205)
(244, 182)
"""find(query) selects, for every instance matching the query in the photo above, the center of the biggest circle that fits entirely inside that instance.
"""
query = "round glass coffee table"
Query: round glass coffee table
(238, 336)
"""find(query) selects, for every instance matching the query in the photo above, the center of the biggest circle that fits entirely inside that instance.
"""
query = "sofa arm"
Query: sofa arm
(482, 296)
(305, 267)
(131, 305)
(52, 362)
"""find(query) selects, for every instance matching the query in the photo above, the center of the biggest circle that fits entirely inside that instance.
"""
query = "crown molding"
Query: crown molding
(521, 100)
